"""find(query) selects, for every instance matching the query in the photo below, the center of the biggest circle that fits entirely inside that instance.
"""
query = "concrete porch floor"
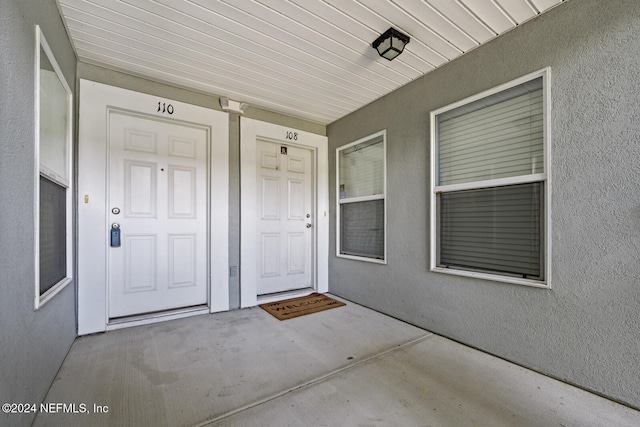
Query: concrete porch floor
(348, 366)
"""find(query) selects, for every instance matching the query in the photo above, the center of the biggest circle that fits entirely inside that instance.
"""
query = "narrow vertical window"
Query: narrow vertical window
(490, 184)
(53, 175)
(361, 194)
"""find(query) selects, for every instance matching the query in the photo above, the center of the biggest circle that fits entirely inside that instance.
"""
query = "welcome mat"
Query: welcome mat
(294, 307)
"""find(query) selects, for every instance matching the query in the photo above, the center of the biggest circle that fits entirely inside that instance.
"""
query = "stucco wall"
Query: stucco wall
(33, 344)
(586, 329)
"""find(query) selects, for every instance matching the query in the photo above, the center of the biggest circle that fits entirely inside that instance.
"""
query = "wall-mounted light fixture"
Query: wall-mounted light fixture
(391, 43)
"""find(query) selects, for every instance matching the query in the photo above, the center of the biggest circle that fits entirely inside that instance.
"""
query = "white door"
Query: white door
(284, 217)
(157, 191)
(101, 297)
(277, 250)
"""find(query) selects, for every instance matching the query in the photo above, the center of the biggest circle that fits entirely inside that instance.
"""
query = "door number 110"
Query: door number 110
(164, 108)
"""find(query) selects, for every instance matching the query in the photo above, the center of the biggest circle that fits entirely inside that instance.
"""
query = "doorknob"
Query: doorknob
(309, 225)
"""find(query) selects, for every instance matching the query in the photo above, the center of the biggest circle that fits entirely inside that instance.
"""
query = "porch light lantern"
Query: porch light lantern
(391, 43)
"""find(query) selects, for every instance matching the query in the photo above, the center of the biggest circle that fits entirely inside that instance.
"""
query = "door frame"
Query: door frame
(250, 130)
(96, 99)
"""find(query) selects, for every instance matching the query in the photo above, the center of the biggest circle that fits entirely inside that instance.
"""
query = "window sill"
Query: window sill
(53, 291)
(493, 277)
(360, 258)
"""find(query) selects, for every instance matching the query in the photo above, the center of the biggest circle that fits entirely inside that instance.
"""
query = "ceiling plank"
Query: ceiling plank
(464, 18)
(544, 5)
(430, 17)
(519, 10)
(490, 14)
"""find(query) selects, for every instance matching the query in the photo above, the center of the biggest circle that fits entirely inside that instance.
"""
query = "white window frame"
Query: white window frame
(383, 196)
(544, 177)
(41, 170)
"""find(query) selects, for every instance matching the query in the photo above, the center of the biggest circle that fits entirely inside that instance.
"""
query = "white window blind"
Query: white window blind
(503, 138)
(362, 169)
(362, 229)
(53, 234)
(53, 126)
(495, 229)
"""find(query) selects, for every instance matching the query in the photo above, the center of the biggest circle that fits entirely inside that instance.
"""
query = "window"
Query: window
(53, 244)
(361, 192)
(489, 202)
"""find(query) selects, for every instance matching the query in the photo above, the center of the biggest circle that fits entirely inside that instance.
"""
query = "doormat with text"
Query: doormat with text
(294, 307)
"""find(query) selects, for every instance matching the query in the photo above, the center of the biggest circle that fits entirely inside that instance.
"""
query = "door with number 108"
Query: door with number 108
(284, 216)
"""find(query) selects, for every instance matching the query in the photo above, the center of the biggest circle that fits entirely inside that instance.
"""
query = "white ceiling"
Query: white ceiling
(306, 58)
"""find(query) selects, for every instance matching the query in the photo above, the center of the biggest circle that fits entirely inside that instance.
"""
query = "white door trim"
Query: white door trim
(250, 130)
(95, 100)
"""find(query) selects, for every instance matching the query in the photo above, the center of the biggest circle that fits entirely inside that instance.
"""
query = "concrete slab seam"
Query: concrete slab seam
(315, 380)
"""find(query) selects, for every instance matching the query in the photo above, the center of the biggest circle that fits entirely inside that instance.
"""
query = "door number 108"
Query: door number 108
(164, 108)
(293, 136)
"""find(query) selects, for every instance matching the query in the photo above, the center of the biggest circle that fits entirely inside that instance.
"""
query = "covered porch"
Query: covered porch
(348, 366)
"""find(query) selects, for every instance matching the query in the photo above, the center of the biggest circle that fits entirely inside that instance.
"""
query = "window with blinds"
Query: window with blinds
(361, 178)
(488, 182)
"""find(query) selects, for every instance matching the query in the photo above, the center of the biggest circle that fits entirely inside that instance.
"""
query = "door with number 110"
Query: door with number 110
(158, 200)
